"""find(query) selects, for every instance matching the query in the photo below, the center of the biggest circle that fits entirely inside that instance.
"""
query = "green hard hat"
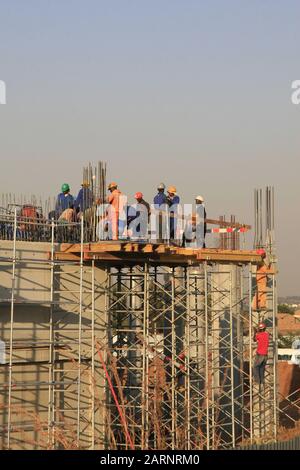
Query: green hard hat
(65, 187)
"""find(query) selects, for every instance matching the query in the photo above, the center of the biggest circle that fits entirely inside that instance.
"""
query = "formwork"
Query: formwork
(121, 345)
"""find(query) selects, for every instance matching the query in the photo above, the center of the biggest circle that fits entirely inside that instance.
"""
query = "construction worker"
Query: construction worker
(200, 222)
(160, 197)
(64, 200)
(67, 215)
(195, 227)
(160, 202)
(116, 218)
(139, 217)
(262, 338)
(264, 268)
(172, 200)
(84, 198)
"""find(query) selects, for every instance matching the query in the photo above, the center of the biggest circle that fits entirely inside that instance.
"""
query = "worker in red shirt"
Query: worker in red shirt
(262, 338)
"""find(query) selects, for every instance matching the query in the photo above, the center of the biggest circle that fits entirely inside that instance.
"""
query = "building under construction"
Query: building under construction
(133, 345)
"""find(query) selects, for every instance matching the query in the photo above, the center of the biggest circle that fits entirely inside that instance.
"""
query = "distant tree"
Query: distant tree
(284, 308)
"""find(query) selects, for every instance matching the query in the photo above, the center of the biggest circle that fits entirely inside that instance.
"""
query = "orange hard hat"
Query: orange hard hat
(138, 195)
(112, 185)
(172, 189)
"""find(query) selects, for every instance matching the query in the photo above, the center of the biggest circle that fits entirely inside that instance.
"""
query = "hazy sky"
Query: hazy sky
(192, 93)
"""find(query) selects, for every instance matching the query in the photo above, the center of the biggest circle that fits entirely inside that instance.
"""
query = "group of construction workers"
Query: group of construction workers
(116, 219)
(68, 208)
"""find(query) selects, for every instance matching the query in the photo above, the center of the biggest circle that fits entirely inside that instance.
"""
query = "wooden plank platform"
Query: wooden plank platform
(123, 252)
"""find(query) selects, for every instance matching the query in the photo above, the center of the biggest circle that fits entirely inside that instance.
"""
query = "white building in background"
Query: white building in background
(292, 355)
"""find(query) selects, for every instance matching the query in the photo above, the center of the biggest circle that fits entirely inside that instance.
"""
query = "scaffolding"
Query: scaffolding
(175, 337)
(48, 379)
(180, 341)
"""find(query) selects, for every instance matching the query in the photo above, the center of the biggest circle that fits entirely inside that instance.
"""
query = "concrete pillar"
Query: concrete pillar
(31, 348)
(196, 346)
(226, 362)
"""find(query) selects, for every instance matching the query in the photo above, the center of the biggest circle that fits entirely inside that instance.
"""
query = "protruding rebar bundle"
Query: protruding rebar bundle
(264, 225)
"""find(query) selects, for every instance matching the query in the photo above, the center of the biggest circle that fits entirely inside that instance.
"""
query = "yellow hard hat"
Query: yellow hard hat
(85, 183)
(112, 185)
(172, 189)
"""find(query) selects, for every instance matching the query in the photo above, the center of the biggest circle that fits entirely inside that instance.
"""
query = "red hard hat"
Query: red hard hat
(261, 252)
(262, 326)
(138, 195)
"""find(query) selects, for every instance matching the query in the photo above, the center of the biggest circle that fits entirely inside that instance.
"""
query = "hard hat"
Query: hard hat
(138, 195)
(161, 186)
(261, 326)
(172, 189)
(65, 187)
(112, 185)
(261, 252)
(85, 183)
(199, 198)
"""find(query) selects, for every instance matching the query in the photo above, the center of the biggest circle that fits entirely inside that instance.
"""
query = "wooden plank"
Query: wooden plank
(160, 258)
(185, 251)
(163, 252)
(98, 247)
(63, 256)
(105, 247)
(70, 247)
(231, 256)
(104, 257)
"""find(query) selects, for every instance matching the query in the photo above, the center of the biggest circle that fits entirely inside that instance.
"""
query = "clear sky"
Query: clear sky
(192, 93)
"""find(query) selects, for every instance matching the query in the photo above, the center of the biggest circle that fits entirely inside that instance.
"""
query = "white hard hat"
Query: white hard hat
(161, 186)
(200, 198)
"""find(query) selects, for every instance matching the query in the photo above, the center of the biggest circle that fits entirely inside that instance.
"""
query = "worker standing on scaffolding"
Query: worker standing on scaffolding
(200, 222)
(195, 227)
(84, 200)
(160, 205)
(264, 269)
(115, 212)
(173, 201)
(64, 200)
(138, 217)
(262, 338)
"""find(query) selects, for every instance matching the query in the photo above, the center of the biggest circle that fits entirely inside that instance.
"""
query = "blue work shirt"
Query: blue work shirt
(173, 209)
(159, 199)
(175, 200)
(84, 199)
(63, 202)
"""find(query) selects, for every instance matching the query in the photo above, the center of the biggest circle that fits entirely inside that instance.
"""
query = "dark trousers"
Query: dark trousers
(259, 368)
